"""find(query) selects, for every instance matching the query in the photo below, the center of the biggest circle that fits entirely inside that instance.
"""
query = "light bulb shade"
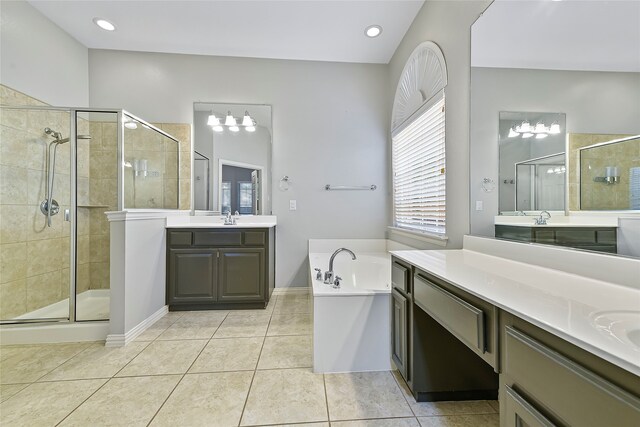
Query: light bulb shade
(525, 127)
(513, 133)
(213, 120)
(230, 120)
(550, 170)
(554, 129)
(250, 128)
(218, 128)
(247, 120)
(540, 128)
(541, 135)
(527, 135)
(234, 128)
(131, 125)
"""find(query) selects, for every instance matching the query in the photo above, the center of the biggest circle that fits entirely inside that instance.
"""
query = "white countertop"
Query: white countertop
(244, 221)
(567, 305)
(558, 221)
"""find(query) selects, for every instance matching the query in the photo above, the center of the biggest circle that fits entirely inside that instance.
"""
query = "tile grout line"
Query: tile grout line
(185, 372)
(326, 397)
(246, 400)
(404, 395)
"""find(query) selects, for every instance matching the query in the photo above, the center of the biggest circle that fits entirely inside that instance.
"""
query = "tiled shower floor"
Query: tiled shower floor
(212, 368)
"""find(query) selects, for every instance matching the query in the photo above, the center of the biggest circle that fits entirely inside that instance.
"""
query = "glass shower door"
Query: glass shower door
(35, 241)
(97, 193)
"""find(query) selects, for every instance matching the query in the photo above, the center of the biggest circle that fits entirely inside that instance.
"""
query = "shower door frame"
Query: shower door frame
(73, 196)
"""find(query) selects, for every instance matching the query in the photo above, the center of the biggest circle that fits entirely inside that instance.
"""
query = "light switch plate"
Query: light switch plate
(479, 205)
(292, 205)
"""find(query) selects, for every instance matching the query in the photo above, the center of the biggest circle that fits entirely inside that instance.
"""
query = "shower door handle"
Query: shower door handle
(67, 215)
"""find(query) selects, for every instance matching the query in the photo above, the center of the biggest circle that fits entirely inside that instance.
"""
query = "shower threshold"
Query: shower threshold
(90, 305)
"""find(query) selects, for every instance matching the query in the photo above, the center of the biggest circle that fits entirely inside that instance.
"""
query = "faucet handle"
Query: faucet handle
(318, 274)
(336, 282)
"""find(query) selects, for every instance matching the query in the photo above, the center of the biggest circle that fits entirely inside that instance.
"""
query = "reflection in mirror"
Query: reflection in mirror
(202, 180)
(607, 173)
(578, 58)
(532, 162)
(232, 158)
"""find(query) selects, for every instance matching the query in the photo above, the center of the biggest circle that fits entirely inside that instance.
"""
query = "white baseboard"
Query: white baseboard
(290, 291)
(120, 340)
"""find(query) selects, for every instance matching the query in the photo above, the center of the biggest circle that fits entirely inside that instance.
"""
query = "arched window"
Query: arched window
(418, 143)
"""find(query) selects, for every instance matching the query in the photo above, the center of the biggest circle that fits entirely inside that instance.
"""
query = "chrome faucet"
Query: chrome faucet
(328, 275)
(229, 220)
(542, 220)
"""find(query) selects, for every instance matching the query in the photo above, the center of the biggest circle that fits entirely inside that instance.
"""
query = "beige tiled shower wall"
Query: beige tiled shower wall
(34, 258)
(597, 195)
(103, 197)
(159, 190)
(182, 132)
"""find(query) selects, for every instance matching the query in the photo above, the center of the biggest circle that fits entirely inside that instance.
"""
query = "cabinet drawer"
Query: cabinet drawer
(255, 238)
(399, 277)
(217, 238)
(179, 238)
(520, 413)
(462, 319)
(575, 395)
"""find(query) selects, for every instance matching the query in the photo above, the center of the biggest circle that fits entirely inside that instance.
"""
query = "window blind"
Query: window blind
(418, 161)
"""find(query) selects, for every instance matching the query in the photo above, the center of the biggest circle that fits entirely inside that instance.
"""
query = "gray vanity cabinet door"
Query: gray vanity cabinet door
(192, 274)
(242, 275)
(399, 331)
(519, 413)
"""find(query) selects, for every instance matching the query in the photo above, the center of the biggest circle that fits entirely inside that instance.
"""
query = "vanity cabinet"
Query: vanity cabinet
(401, 307)
(547, 381)
(230, 268)
(602, 239)
(434, 362)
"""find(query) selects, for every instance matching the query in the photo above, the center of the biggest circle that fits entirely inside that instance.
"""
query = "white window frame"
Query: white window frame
(434, 227)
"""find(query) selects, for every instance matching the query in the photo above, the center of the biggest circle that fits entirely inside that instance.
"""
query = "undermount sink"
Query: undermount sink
(623, 325)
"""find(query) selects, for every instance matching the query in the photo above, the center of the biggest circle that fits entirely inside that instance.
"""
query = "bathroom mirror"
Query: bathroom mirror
(232, 158)
(532, 164)
(581, 59)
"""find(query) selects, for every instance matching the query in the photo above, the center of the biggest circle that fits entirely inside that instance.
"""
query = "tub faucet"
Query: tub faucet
(328, 275)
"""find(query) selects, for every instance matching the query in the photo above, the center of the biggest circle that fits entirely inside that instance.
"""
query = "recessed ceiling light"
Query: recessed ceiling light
(104, 24)
(373, 31)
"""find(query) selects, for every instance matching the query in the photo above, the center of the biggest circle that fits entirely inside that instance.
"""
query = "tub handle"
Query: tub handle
(336, 282)
(318, 274)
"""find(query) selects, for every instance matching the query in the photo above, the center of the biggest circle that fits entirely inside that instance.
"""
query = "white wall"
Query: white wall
(447, 23)
(330, 126)
(40, 59)
(594, 102)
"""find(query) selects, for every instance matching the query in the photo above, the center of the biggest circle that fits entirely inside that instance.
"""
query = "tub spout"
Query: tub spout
(328, 275)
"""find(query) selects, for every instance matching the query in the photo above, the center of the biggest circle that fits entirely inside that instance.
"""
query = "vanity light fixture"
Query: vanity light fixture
(512, 133)
(104, 24)
(554, 129)
(131, 125)
(527, 135)
(231, 123)
(373, 31)
(541, 135)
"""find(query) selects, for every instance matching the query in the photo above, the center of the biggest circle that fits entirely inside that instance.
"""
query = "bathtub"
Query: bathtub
(352, 325)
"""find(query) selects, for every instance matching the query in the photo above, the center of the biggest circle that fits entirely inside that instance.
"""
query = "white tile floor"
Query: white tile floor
(214, 368)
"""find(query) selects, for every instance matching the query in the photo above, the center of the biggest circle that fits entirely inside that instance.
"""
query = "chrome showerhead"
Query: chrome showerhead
(58, 136)
(53, 133)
